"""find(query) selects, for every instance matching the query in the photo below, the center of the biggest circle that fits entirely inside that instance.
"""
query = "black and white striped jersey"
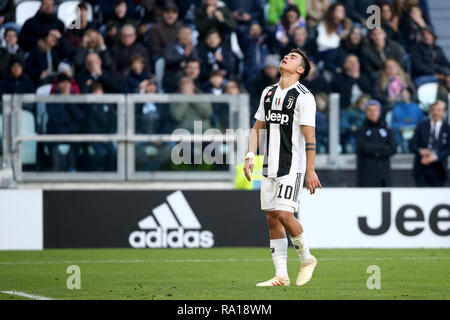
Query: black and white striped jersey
(284, 111)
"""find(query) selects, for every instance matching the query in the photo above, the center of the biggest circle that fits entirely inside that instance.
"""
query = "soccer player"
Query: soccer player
(286, 115)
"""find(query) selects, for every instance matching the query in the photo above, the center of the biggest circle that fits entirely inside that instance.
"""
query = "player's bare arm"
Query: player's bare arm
(253, 143)
(311, 178)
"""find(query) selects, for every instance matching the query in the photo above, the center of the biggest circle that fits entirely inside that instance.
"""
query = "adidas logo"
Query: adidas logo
(172, 225)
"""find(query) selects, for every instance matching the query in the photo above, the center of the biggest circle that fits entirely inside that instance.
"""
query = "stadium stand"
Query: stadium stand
(348, 58)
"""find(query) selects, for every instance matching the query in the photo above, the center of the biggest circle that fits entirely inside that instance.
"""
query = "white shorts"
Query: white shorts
(281, 193)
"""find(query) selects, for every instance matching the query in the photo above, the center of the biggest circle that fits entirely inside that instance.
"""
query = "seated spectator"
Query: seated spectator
(299, 39)
(137, 74)
(36, 27)
(165, 31)
(245, 13)
(9, 50)
(184, 114)
(193, 70)
(375, 144)
(266, 77)
(92, 42)
(379, 49)
(215, 86)
(411, 27)
(127, 48)
(335, 26)
(431, 146)
(120, 18)
(42, 62)
(390, 21)
(391, 81)
(428, 60)
(316, 12)
(276, 9)
(406, 114)
(233, 87)
(350, 44)
(351, 84)
(215, 55)
(108, 8)
(290, 20)
(315, 81)
(64, 68)
(214, 15)
(255, 49)
(94, 71)
(100, 118)
(153, 118)
(74, 35)
(64, 118)
(17, 81)
(175, 55)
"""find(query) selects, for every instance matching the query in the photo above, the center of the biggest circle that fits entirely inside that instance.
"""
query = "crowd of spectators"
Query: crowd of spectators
(119, 49)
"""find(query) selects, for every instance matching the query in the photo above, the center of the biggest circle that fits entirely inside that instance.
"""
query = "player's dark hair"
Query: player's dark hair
(305, 62)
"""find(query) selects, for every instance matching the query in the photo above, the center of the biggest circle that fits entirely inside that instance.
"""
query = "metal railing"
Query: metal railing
(126, 138)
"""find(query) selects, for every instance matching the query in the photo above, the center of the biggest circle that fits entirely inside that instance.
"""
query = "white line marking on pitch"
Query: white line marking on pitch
(26, 295)
(212, 260)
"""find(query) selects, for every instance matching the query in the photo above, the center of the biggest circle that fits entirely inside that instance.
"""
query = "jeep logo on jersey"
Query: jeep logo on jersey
(171, 227)
(275, 116)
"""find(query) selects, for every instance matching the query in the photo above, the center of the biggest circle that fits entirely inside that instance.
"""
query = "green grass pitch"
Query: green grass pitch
(223, 273)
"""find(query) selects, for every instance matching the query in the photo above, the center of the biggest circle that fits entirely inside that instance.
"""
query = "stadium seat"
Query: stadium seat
(427, 94)
(235, 48)
(26, 10)
(28, 129)
(41, 113)
(160, 64)
(67, 11)
(388, 118)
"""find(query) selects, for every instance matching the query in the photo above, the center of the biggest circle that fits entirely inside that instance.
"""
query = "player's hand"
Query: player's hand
(312, 181)
(248, 168)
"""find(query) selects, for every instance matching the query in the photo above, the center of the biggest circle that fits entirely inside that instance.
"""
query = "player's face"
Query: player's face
(292, 63)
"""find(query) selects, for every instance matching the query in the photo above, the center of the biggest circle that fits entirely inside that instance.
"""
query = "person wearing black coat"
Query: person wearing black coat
(431, 146)
(428, 60)
(94, 72)
(176, 56)
(351, 83)
(17, 81)
(36, 27)
(375, 144)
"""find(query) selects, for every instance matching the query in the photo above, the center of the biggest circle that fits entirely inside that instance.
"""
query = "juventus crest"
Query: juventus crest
(291, 100)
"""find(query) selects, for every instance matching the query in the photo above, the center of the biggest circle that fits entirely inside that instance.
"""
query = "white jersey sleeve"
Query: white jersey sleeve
(307, 110)
(260, 113)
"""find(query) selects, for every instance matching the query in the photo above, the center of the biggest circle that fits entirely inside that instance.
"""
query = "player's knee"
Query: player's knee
(272, 219)
(284, 217)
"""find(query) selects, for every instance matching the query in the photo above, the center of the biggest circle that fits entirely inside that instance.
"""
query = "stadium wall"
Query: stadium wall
(333, 218)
